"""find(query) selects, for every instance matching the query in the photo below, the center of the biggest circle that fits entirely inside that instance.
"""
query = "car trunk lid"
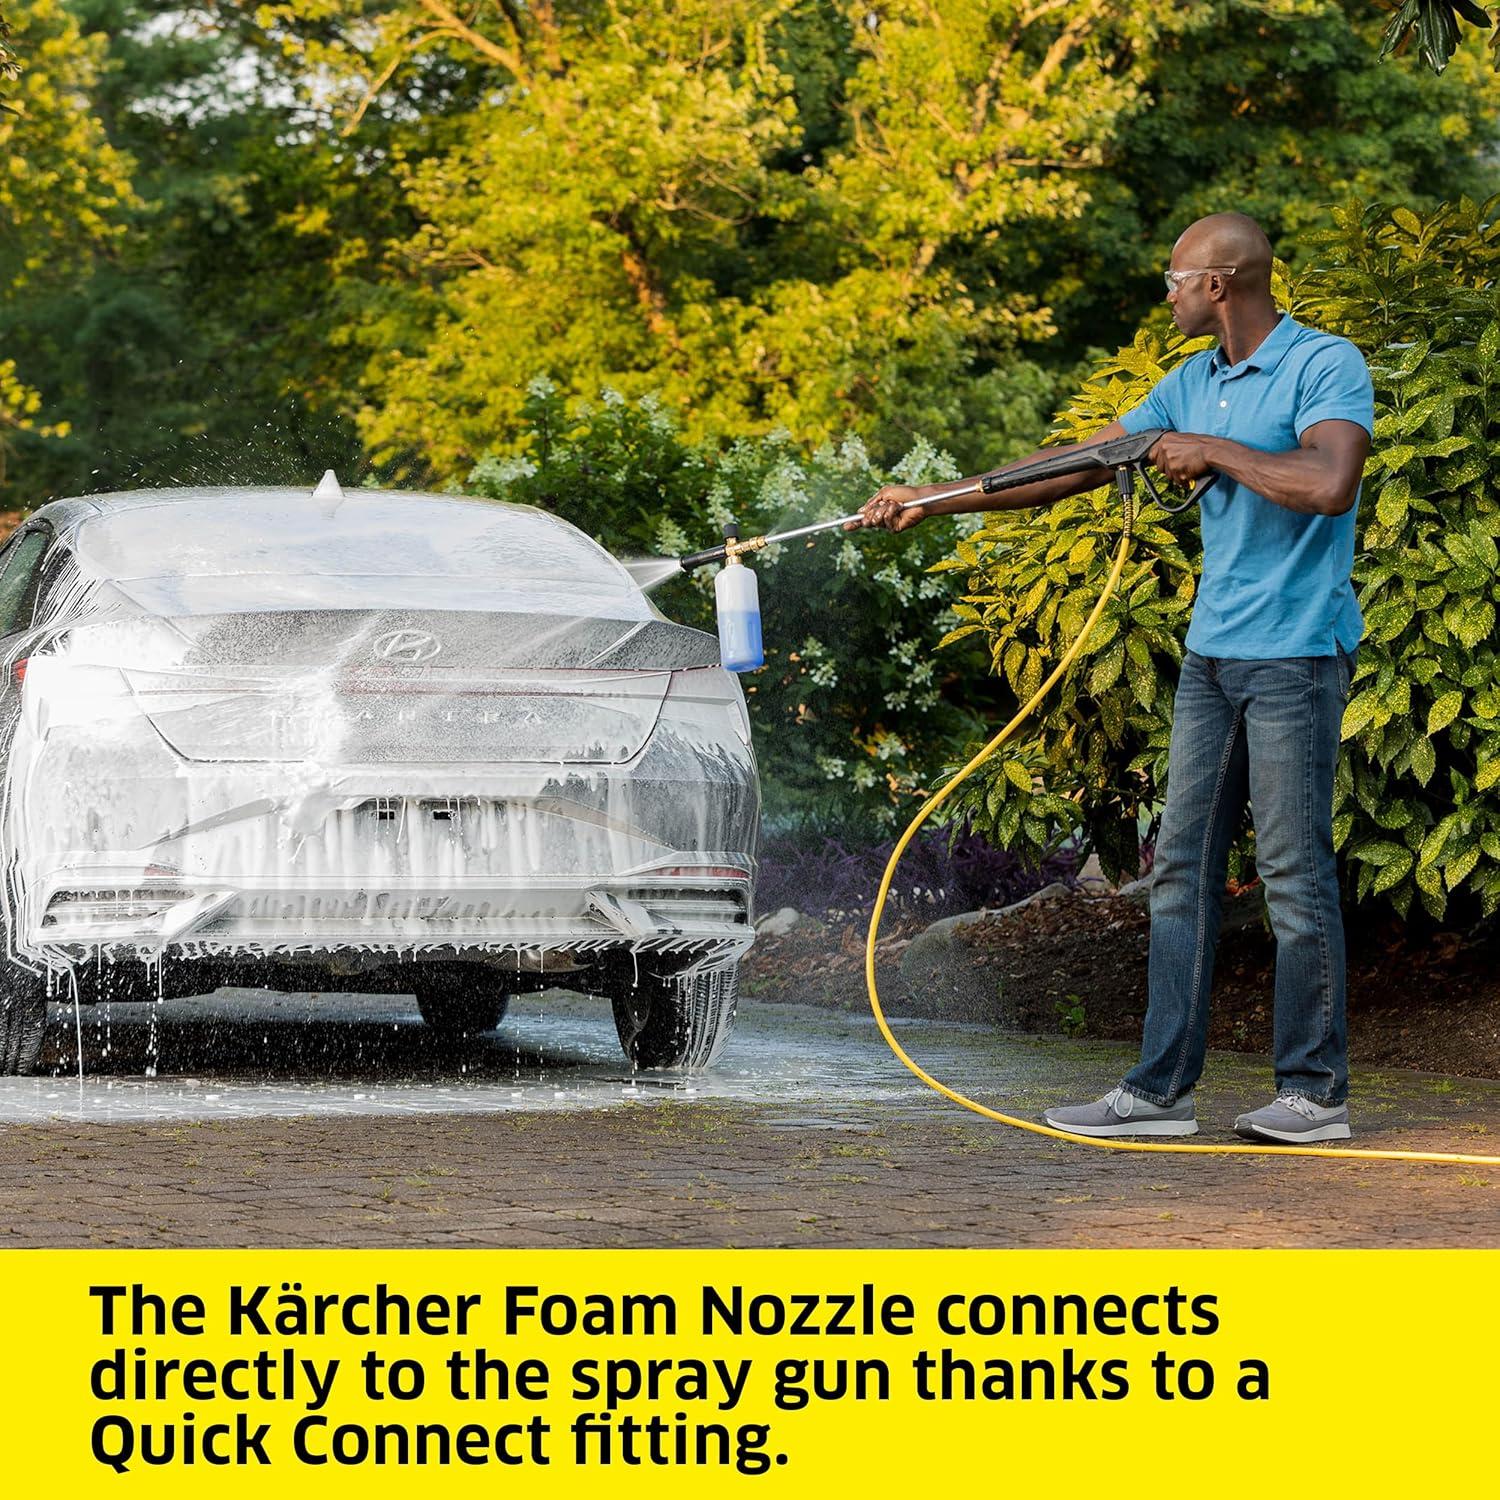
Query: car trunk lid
(371, 687)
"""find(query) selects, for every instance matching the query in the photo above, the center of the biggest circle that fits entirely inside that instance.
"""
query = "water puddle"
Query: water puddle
(248, 1054)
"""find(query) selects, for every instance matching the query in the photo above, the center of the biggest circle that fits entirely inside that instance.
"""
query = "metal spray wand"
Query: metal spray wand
(1122, 456)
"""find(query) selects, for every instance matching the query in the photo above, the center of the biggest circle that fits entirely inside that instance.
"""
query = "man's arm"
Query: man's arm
(1318, 478)
(885, 507)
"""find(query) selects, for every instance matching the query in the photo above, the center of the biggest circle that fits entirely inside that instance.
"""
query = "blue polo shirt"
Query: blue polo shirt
(1275, 583)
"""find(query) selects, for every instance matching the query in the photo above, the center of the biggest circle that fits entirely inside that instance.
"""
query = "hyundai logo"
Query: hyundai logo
(405, 645)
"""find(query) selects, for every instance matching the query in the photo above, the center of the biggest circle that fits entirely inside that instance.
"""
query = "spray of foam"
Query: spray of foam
(652, 572)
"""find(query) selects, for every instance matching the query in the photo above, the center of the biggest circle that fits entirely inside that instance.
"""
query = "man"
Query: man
(1283, 415)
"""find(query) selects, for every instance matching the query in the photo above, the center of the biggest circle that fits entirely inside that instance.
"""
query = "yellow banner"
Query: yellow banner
(778, 1372)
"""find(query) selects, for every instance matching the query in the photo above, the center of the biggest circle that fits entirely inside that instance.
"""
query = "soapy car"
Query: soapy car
(373, 741)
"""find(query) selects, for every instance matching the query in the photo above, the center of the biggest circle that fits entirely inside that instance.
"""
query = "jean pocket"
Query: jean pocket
(1346, 661)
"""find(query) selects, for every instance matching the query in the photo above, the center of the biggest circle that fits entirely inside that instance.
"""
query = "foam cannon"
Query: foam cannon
(737, 595)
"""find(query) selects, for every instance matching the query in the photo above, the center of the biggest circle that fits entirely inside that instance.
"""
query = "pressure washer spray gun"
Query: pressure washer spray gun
(737, 595)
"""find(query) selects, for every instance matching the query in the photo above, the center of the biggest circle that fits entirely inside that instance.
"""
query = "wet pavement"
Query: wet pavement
(295, 1119)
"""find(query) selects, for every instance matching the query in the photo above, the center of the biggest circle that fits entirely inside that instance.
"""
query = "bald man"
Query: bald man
(1282, 415)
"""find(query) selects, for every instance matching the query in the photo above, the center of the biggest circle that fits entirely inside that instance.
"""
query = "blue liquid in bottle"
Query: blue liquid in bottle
(737, 597)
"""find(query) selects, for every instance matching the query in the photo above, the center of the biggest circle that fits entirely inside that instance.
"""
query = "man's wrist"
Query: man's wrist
(1216, 451)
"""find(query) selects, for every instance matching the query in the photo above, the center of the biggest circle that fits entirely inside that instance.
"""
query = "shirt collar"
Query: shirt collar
(1270, 352)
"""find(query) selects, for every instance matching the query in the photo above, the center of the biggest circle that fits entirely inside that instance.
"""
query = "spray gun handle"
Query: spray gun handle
(1195, 495)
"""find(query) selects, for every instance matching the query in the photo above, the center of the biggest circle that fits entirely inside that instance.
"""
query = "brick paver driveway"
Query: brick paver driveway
(318, 1121)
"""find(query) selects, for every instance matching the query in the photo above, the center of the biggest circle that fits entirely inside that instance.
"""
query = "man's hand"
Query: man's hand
(1181, 457)
(885, 508)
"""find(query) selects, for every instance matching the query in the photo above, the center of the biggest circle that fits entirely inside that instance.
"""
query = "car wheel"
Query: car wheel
(468, 1011)
(23, 1018)
(677, 1020)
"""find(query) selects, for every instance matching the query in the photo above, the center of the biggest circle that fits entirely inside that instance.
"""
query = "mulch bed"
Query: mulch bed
(1416, 1000)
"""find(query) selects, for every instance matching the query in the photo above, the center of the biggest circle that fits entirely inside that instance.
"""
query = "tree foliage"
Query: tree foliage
(10, 67)
(351, 233)
(1435, 26)
(196, 344)
(1417, 800)
(820, 215)
(63, 189)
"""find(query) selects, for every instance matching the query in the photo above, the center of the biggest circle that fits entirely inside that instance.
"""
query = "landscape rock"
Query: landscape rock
(779, 923)
(939, 965)
(1047, 893)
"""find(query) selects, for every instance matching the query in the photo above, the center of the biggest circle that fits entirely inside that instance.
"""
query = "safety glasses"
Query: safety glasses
(1174, 279)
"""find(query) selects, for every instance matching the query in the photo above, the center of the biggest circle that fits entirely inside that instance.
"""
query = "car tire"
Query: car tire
(471, 1011)
(679, 1021)
(23, 1018)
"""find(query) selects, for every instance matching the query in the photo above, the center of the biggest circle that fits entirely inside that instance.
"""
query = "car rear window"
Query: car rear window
(277, 550)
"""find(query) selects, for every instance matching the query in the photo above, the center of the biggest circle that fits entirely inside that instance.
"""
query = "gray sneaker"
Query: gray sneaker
(1295, 1119)
(1120, 1112)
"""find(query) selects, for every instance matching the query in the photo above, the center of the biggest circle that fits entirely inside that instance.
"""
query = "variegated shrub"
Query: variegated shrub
(1417, 803)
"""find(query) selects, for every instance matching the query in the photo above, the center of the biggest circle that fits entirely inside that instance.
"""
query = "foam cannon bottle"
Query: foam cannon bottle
(737, 599)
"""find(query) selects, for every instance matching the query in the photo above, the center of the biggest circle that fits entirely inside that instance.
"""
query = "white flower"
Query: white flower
(500, 470)
(924, 465)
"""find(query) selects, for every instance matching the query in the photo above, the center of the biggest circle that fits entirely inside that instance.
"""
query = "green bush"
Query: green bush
(1417, 809)
(850, 708)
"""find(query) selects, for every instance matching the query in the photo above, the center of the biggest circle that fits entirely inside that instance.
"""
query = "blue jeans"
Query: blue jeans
(1268, 730)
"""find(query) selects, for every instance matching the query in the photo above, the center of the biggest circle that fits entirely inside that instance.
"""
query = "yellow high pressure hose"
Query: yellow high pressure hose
(1104, 1143)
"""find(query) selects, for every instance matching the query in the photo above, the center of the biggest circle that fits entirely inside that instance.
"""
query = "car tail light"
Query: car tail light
(18, 671)
(703, 872)
(111, 904)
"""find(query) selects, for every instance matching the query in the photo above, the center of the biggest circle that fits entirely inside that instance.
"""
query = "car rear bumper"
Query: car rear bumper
(570, 921)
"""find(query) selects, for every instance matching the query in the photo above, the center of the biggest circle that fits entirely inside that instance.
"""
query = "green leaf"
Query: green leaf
(1083, 550)
(1106, 670)
(1360, 712)
(1423, 761)
(1391, 507)
(1018, 775)
(1381, 852)
(1457, 869)
(958, 635)
(1476, 622)
(1141, 677)
(1416, 416)
(1436, 841)
(1442, 713)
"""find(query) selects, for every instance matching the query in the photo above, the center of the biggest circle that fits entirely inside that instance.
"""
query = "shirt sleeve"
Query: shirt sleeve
(1159, 408)
(1336, 387)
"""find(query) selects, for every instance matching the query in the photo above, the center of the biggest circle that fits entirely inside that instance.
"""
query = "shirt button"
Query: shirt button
(1223, 403)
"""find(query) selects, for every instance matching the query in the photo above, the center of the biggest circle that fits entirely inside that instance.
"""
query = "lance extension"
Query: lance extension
(1125, 457)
